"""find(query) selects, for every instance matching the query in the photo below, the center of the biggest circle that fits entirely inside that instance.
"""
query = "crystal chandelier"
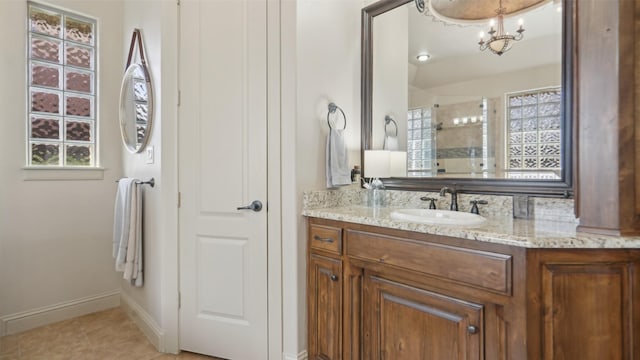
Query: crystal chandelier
(499, 41)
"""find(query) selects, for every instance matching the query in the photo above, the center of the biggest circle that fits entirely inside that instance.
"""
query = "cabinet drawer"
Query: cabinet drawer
(326, 238)
(488, 270)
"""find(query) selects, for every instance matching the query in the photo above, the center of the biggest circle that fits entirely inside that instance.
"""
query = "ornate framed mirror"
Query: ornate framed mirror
(478, 120)
(136, 100)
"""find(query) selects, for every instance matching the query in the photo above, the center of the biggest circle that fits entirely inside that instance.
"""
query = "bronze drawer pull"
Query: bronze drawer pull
(327, 240)
(333, 277)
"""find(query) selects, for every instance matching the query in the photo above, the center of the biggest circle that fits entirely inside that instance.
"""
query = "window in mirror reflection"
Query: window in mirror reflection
(534, 132)
(420, 142)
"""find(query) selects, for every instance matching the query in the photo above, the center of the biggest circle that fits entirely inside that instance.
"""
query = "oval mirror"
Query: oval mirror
(136, 108)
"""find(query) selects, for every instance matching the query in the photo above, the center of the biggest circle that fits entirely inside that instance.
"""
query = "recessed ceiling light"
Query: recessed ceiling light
(423, 57)
(558, 5)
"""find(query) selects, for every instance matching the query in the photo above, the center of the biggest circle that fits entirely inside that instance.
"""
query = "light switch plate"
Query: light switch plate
(149, 153)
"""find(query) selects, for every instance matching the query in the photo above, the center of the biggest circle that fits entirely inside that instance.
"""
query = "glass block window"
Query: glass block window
(62, 88)
(419, 142)
(534, 129)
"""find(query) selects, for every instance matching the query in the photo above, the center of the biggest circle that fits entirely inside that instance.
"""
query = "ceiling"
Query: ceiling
(460, 11)
(454, 49)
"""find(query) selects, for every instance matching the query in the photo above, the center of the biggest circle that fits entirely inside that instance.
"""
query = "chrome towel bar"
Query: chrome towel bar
(151, 182)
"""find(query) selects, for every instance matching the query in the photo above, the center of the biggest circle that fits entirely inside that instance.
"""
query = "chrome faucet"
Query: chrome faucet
(454, 197)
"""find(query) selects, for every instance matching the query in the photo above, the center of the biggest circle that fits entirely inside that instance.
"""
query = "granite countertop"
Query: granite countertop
(499, 230)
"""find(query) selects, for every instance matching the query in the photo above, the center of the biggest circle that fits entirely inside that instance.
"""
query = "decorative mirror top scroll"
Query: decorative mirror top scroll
(136, 99)
(488, 121)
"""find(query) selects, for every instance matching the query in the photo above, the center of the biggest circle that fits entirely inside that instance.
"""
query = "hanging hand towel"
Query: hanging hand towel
(133, 264)
(390, 143)
(122, 221)
(338, 172)
(127, 232)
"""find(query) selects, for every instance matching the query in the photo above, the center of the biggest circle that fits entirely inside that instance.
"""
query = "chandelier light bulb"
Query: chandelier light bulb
(492, 23)
(520, 21)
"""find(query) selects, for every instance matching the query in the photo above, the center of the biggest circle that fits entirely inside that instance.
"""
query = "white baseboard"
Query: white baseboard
(26, 320)
(144, 321)
(301, 356)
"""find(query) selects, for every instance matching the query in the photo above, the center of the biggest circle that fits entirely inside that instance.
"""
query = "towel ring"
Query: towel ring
(332, 109)
(388, 119)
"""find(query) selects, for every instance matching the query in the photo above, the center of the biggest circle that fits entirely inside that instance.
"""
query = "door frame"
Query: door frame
(169, 341)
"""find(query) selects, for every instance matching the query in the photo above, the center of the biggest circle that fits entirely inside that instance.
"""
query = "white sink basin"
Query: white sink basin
(438, 217)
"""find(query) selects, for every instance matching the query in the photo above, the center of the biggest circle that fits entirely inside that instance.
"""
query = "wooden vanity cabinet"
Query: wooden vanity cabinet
(325, 307)
(406, 298)
(324, 292)
(406, 322)
(377, 293)
(584, 304)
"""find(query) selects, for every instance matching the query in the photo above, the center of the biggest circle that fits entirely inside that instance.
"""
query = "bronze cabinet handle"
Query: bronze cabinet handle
(327, 240)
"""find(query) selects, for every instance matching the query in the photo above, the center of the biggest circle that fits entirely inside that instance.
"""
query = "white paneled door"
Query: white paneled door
(223, 166)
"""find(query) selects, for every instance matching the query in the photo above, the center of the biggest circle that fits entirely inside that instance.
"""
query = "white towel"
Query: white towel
(128, 231)
(390, 143)
(121, 221)
(338, 172)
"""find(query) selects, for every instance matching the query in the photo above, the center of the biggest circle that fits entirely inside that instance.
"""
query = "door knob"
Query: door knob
(255, 205)
(472, 329)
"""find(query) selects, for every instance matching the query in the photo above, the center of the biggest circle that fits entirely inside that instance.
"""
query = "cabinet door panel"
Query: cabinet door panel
(403, 322)
(589, 301)
(325, 308)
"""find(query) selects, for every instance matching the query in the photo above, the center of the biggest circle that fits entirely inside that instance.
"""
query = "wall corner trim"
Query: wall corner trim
(26, 320)
(301, 356)
(144, 321)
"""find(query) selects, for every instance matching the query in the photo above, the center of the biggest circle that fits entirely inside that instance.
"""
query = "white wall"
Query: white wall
(157, 21)
(55, 236)
(390, 66)
(489, 87)
(67, 255)
(327, 48)
(320, 64)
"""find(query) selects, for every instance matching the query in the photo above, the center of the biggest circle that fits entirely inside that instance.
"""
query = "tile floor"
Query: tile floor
(106, 335)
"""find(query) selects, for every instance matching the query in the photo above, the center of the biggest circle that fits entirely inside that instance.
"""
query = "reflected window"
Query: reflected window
(61, 89)
(420, 142)
(534, 130)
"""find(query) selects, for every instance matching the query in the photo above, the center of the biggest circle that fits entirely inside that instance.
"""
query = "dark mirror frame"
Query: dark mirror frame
(555, 188)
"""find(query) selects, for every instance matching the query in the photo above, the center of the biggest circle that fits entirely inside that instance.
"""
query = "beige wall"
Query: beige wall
(55, 235)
